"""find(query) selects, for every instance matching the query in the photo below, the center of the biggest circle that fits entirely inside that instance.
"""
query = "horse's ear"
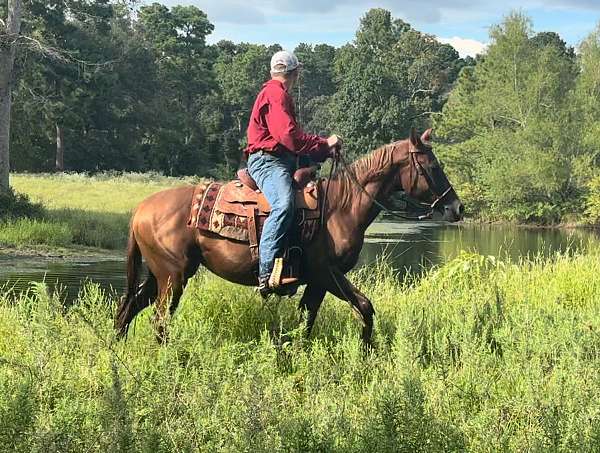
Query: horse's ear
(415, 140)
(426, 137)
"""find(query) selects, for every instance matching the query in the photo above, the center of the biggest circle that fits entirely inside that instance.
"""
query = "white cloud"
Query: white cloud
(426, 11)
(465, 47)
(335, 22)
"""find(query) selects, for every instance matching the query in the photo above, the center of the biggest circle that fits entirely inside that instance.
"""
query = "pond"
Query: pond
(409, 246)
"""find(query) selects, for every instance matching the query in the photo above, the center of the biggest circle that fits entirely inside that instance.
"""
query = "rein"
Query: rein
(341, 160)
(334, 165)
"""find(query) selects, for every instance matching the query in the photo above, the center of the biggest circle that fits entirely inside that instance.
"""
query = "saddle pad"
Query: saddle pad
(210, 212)
(203, 203)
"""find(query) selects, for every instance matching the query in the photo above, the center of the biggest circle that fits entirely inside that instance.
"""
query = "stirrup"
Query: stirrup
(276, 280)
(263, 288)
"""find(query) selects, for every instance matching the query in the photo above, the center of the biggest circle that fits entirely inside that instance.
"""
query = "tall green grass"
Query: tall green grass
(478, 355)
(81, 209)
(34, 231)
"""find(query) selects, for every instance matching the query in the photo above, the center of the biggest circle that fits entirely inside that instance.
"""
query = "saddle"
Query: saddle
(237, 210)
(302, 177)
(241, 194)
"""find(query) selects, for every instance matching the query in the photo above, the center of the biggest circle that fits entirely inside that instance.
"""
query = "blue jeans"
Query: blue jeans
(273, 175)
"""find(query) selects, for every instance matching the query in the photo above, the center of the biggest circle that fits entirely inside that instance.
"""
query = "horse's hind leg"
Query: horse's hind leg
(311, 302)
(132, 304)
(170, 289)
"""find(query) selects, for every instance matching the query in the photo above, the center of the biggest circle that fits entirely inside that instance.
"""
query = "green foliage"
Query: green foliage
(87, 85)
(185, 79)
(127, 92)
(316, 86)
(478, 355)
(14, 205)
(387, 80)
(586, 108)
(240, 71)
(505, 134)
(144, 91)
(592, 202)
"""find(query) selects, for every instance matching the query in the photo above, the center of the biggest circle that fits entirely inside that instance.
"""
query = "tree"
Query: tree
(240, 71)
(81, 33)
(585, 104)
(10, 36)
(549, 38)
(316, 84)
(389, 79)
(506, 146)
(177, 37)
(586, 99)
(85, 81)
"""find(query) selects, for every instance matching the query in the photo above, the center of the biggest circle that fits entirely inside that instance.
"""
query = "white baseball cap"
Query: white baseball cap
(286, 59)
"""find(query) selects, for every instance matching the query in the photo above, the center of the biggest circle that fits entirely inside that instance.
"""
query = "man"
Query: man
(274, 141)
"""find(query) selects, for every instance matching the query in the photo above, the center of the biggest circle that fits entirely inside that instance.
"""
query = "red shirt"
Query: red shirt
(273, 125)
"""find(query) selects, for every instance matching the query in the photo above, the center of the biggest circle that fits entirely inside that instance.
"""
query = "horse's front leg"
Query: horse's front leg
(343, 289)
(311, 302)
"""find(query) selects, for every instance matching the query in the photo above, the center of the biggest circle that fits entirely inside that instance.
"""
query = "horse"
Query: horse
(353, 197)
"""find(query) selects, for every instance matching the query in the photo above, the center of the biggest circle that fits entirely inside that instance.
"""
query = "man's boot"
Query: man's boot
(263, 287)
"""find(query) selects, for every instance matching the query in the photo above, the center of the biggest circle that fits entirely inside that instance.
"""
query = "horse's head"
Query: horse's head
(424, 181)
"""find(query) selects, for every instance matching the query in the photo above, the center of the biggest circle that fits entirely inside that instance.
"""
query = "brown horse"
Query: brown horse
(355, 196)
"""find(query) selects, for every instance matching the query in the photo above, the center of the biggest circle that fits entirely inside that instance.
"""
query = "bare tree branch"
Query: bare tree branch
(47, 51)
(60, 55)
(412, 96)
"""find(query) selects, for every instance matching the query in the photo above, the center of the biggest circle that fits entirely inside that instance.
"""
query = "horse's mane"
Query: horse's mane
(370, 164)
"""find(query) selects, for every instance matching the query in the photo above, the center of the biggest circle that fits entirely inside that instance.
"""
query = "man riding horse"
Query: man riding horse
(275, 141)
(171, 234)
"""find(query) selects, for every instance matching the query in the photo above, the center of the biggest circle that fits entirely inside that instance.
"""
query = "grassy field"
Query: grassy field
(479, 355)
(81, 210)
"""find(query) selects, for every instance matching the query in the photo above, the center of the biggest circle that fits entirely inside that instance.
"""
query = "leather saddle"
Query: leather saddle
(302, 177)
(239, 195)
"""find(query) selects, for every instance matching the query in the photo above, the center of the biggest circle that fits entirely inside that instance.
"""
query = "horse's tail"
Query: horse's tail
(137, 296)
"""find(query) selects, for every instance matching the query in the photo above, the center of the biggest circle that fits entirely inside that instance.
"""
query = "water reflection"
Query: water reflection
(65, 276)
(409, 246)
(420, 245)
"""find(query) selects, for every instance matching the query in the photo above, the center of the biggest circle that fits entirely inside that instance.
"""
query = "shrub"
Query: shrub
(15, 205)
(592, 202)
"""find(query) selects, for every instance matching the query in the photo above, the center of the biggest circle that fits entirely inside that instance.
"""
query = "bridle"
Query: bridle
(431, 184)
(339, 160)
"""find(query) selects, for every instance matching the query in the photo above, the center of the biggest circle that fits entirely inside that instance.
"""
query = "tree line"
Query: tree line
(142, 90)
(105, 85)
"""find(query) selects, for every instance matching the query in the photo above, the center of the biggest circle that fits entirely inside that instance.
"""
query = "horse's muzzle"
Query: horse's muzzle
(454, 211)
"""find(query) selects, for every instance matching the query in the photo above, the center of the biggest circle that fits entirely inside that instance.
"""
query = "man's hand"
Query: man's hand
(335, 145)
(334, 141)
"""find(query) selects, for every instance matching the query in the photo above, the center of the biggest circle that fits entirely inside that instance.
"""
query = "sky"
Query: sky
(462, 23)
